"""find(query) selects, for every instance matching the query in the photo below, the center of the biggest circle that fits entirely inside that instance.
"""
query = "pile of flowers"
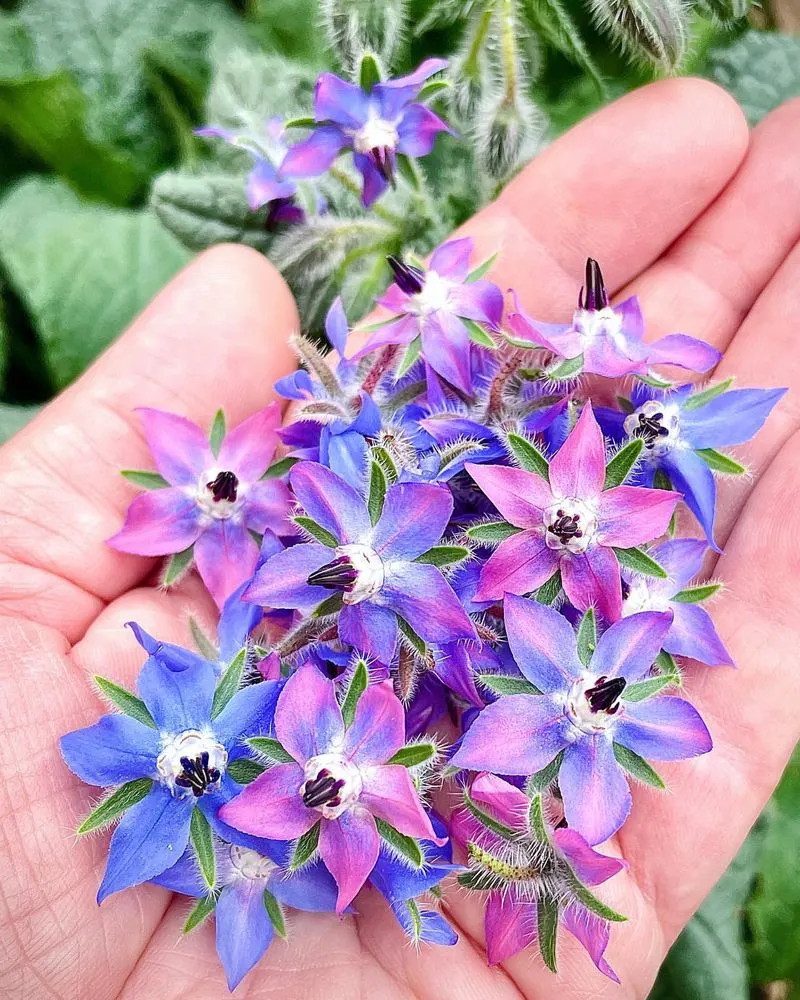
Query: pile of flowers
(455, 574)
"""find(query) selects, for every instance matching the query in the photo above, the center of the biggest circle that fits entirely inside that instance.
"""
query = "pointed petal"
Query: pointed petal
(316, 154)
(448, 349)
(402, 331)
(518, 565)
(178, 699)
(243, 928)
(226, 555)
(374, 181)
(591, 579)
(432, 929)
(183, 877)
(312, 888)
(114, 750)
(629, 647)
(560, 338)
(180, 448)
(395, 880)
(247, 450)
(250, 712)
(481, 301)
(692, 477)
(370, 629)
(685, 352)
(421, 595)
(263, 185)
(336, 327)
(578, 468)
(518, 734)
(631, 515)
(331, 502)
(393, 95)
(509, 925)
(730, 419)
(378, 727)
(150, 838)
(390, 795)
(519, 496)
(159, 523)
(451, 259)
(593, 933)
(418, 129)
(413, 520)
(597, 799)
(591, 867)
(268, 505)
(663, 728)
(282, 582)
(271, 806)
(542, 643)
(503, 801)
(693, 634)
(682, 560)
(349, 847)
(338, 101)
(308, 720)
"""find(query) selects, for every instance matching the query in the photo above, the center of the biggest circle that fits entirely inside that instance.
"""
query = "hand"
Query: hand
(664, 190)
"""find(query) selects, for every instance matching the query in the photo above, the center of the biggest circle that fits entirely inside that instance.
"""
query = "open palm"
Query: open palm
(666, 190)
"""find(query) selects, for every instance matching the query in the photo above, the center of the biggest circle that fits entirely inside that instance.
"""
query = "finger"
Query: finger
(216, 336)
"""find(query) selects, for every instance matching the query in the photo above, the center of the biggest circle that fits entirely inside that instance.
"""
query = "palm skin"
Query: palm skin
(667, 190)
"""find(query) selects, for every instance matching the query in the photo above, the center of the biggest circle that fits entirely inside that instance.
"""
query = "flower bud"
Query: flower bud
(651, 31)
(355, 25)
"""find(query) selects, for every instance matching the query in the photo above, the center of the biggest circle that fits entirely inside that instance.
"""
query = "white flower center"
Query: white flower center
(369, 572)
(219, 493)
(570, 524)
(250, 864)
(593, 703)
(640, 599)
(591, 324)
(435, 295)
(658, 424)
(332, 784)
(191, 763)
(375, 133)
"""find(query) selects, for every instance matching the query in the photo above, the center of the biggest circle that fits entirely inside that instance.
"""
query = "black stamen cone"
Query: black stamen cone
(340, 574)
(604, 696)
(409, 279)
(323, 790)
(383, 159)
(593, 294)
(224, 487)
(197, 775)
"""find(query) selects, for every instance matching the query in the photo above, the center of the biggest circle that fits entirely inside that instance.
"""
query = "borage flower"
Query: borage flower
(373, 567)
(570, 523)
(432, 304)
(582, 711)
(608, 340)
(211, 499)
(521, 872)
(376, 125)
(184, 752)
(339, 778)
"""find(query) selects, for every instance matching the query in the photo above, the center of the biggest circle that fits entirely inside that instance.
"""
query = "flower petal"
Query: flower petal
(374, 181)
(518, 565)
(448, 349)
(693, 634)
(509, 926)
(271, 806)
(578, 468)
(418, 129)
(331, 502)
(681, 559)
(263, 185)
(591, 579)
(250, 712)
(159, 523)
(389, 793)
(338, 101)
(685, 352)
(247, 450)
(370, 629)
(267, 507)
(114, 750)
(308, 720)
(282, 582)
(629, 647)
(378, 727)
(243, 928)
(592, 932)
(520, 496)
(180, 448)
(429, 926)
(421, 595)
(663, 728)
(542, 643)
(316, 154)
(178, 699)
(518, 734)
(401, 331)
(560, 338)
(395, 880)
(631, 515)
(591, 867)
(413, 520)
(183, 877)
(596, 796)
(692, 477)
(225, 555)
(393, 95)
(729, 419)
(503, 801)
(451, 259)
(150, 838)
(349, 847)
(480, 300)
(312, 888)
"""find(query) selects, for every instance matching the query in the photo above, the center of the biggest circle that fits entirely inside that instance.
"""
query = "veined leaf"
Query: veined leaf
(719, 462)
(115, 804)
(406, 846)
(444, 555)
(414, 754)
(243, 770)
(640, 562)
(587, 637)
(358, 685)
(270, 748)
(201, 911)
(322, 535)
(550, 589)
(280, 468)
(504, 684)
(492, 531)
(142, 477)
(477, 334)
(637, 766)
(228, 684)
(567, 369)
(693, 595)
(528, 455)
(641, 690)
(202, 842)
(275, 913)
(377, 491)
(125, 701)
(305, 848)
(619, 468)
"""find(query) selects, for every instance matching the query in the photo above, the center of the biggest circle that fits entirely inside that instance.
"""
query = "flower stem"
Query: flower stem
(379, 367)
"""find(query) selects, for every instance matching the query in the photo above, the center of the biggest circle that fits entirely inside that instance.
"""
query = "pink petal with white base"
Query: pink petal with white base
(159, 523)
(349, 848)
(389, 793)
(632, 515)
(271, 806)
(578, 469)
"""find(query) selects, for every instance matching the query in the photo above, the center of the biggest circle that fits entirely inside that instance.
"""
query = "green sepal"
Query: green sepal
(387, 463)
(306, 847)
(377, 491)
(693, 595)
(506, 832)
(243, 770)
(275, 913)
(444, 555)
(661, 480)
(281, 467)
(304, 121)
(270, 748)
(229, 682)
(202, 841)
(482, 269)
(369, 71)
(637, 766)
(550, 589)
(408, 359)
(414, 754)
(217, 432)
(201, 911)
(719, 462)
(205, 646)
(478, 335)
(177, 567)
(543, 779)
(147, 480)
(492, 531)
(504, 684)
(416, 641)
(115, 804)
(357, 686)
(566, 369)
(430, 90)
(330, 606)
(642, 690)
(619, 468)
(587, 637)
(408, 171)
(406, 846)
(547, 925)
(706, 395)
(477, 881)
(639, 561)
(654, 381)
(416, 919)
(528, 455)
(592, 903)
(322, 535)
(536, 821)
(125, 701)
(665, 662)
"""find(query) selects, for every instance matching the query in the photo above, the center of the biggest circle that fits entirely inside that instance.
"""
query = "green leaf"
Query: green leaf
(666, 664)
(478, 335)
(620, 466)
(270, 748)
(655, 382)
(593, 904)
(217, 432)
(492, 531)
(275, 913)
(587, 637)
(377, 491)
(543, 779)
(280, 468)
(306, 847)
(403, 845)
(141, 477)
(432, 89)
(330, 606)
(482, 269)
(547, 923)
(551, 21)
(316, 531)
(125, 701)
(382, 456)
(205, 646)
(228, 684)
(201, 911)
(506, 832)
(416, 919)
(693, 595)
(637, 766)
(566, 369)
(536, 819)
(357, 686)
(706, 395)
(243, 770)
(528, 455)
(202, 841)
(83, 271)
(641, 690)
(504, 684)
(123, 798)
(661, 480)
(177, 567)
(414, 754)
(306, 121)
(444, 555)
(408, 632)
(550, 589)
(369, 71)
(410, 355)
(719, 462)
(640, 562)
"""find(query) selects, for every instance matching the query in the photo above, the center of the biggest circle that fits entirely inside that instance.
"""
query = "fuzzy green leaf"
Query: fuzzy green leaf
(410, 355)
(528, 455)
(414, 754)
(640, 562)
(305, 848)
(432, 89)
(358, 685)
(302, 122)
(661, 480)
(123, 798)
(377, 491)
(566, 369)
(665, 663)
(369, 71)
(387, 463)
(416, 641)
(147, 480)
(177, 567)
(641, 690)
(322, 535)
(330, 606)
(619, 468)
(217, 432)
(543, 779)
(587, 637)
(228, 684)
(693, 595)
(698, 399)
(243, 770)
(125, 701)
(444, 555)
(482, 269)
(720, 462)
(406, 846)
(547, 922)
(270, 748)
(202, 842)
(637, 766)
(503, 684)
(550, 589)
(592, 903)
(416, 919)
(477, 334)
(506, 832)
(492, 531)
(275, 913)
(205, 646)
(536, 819)
(280, 468)
(201, 911)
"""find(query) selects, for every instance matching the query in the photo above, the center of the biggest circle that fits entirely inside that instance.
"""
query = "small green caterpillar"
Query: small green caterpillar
(513, 873)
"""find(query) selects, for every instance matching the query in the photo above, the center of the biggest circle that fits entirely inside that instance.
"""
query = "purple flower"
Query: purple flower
(376, 125)
(432, 304)
(245, 879)
(582, 711)
(339, 777)
(678, 429)
(692, 632)
(373, 567)
(569, 523)
(185, 752)
(609, 339)
(212, 501)
(533, 867)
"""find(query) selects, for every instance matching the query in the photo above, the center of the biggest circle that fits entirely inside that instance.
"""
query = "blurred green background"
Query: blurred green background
(105, 193)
